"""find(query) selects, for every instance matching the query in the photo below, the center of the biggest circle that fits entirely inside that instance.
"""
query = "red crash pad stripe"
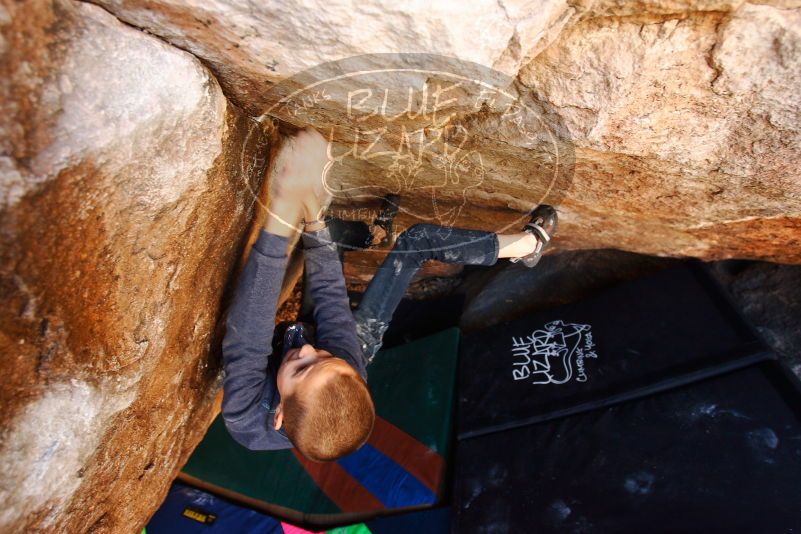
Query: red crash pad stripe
(337, 484)
(418, 460)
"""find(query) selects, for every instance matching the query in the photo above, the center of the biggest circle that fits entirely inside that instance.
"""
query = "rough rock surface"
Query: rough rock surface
(123, 209)
(769, 296)
(684, 115)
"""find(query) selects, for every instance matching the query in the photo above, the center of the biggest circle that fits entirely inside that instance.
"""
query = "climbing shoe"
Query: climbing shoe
(386, 214)
(542, 225)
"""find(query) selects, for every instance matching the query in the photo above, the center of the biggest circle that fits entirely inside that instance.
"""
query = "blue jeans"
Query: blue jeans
(415, 246)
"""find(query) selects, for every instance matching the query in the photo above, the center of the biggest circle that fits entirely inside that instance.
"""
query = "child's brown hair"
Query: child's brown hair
(332, 421)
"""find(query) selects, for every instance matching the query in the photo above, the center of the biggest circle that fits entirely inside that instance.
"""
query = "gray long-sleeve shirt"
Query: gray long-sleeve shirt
(250, 394)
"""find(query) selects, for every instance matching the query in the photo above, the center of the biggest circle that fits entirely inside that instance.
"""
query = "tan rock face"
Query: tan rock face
(684, 115)
(251, 46)
(123, 208)
(703, 140)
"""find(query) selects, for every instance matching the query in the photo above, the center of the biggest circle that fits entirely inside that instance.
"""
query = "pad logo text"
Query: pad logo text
(554, 354)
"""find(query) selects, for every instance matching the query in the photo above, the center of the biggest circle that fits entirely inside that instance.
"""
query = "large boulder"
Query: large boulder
(683, 116)
(125, 196)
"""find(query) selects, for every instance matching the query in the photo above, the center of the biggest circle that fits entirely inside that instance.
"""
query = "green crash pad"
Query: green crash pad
(401, 467)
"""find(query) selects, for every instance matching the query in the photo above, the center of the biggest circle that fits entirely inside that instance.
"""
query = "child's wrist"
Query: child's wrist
(283, 217)
(312, 210)
(313, 225)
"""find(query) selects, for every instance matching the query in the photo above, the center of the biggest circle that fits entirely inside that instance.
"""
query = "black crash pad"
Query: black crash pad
(719, 455)
(638, 338)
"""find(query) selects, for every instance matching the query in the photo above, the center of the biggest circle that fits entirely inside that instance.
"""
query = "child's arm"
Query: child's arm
(247, 345)
(336, 329)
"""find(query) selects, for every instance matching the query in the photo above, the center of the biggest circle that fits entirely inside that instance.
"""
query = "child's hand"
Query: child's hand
(298, 176)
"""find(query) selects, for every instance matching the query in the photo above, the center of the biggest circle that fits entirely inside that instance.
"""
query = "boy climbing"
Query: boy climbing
(312, 393)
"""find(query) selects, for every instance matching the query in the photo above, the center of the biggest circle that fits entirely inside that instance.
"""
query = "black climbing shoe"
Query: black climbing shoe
(542, 226)
(389, 208)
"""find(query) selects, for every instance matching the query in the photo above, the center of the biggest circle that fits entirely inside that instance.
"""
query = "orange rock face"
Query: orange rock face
(684, 117)
(125, 181)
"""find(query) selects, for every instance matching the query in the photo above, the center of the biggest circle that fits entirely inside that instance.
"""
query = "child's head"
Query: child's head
(325, 406)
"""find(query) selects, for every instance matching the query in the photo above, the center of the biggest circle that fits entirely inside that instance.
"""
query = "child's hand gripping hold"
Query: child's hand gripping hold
(297, 182)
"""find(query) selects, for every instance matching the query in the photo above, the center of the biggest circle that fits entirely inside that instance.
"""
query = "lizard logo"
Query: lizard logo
(440, 132)
(554, 354)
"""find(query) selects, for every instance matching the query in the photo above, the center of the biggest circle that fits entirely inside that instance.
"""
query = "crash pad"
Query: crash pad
(719, 455)
(641, 337)
(650, 407)
(402, 466)
(189, 510)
